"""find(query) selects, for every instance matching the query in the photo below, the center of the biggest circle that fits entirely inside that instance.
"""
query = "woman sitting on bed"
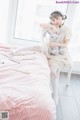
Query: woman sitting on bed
(55, 40)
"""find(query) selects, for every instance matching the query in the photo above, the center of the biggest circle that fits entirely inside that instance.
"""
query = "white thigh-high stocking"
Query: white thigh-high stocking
(55, 72)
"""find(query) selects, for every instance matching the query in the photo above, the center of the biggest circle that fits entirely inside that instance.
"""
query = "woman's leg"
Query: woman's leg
(55, 72)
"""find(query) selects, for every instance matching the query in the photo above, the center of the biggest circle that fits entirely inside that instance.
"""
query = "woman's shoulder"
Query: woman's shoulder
(68, 31)
(65, 27)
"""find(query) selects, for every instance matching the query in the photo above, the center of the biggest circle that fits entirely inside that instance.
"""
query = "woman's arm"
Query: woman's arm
(50, 28)
(46, 26)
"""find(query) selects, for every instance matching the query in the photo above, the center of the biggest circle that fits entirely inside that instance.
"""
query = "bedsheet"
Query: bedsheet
(25, 91)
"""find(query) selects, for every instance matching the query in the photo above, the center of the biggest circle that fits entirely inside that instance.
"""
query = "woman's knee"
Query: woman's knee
(54, 75)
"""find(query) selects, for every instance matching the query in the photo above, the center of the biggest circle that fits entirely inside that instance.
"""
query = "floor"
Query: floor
(68, 107)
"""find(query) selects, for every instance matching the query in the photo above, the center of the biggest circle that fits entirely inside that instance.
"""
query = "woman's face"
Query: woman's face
(57, 21)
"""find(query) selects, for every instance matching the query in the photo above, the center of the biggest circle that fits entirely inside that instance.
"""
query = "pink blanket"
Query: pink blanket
(25, 85)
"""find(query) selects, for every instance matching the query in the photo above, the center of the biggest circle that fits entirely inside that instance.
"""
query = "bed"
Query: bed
(25, 92)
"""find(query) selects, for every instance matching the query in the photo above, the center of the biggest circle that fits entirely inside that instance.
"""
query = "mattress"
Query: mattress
(25, 92)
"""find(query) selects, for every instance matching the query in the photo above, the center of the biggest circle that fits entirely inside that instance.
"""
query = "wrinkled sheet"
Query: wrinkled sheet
(25, 85)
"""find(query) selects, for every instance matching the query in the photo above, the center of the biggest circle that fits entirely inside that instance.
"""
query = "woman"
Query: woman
(55, 40)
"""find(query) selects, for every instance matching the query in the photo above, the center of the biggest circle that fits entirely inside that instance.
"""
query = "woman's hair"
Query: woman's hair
(56, 14)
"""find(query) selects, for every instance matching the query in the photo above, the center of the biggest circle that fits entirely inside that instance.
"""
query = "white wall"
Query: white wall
(3, 20)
